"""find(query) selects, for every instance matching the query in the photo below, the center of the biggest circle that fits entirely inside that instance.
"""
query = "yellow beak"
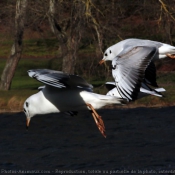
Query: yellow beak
(101, 62)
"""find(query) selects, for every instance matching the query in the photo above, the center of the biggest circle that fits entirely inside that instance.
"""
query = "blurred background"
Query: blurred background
(71, 36)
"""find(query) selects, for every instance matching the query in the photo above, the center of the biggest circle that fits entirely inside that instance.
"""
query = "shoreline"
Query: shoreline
(130, 106)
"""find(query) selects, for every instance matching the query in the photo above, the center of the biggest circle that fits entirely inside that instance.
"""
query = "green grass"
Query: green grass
(5, 49)
(167, 81)
(40, 47)
(32, 47)
(21, 79)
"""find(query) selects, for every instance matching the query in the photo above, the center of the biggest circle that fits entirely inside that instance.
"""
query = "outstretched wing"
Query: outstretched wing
(59, 79)
(129, 70)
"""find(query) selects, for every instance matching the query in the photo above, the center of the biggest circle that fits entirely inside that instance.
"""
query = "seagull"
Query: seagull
(63, 92)
(132, 65)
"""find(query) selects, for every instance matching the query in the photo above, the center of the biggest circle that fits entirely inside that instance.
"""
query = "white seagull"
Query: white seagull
(132, 65)
(66, 93)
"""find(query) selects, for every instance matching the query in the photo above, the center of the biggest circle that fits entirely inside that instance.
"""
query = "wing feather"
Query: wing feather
(129, 70)
(59, 79)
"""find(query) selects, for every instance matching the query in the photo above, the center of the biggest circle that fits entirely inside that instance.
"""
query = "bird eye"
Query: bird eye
(110, 51)
(114, 67)
(106, 54)
(27, 104)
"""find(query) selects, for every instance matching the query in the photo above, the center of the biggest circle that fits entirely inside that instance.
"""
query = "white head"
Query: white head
(108, 55)
(38, 104)
(30, 108)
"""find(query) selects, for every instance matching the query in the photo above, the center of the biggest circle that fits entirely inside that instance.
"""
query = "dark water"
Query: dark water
(140, 140)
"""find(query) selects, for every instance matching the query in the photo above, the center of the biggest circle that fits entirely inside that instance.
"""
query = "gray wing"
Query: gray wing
(59, 79)
(134, 42)
(131, 43)
(129, 70)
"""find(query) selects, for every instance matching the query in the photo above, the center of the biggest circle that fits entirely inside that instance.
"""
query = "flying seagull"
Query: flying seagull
(133, 67)
(66, 93)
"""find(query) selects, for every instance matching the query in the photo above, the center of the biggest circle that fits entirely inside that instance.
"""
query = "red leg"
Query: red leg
(98, 120)
(170, 56)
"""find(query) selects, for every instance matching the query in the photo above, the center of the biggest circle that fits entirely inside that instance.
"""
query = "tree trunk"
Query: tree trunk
(15, 54)
(57, 30)
(69, 39)
(94, 24)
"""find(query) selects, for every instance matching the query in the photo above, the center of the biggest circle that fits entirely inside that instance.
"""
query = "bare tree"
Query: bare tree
(15, 55)
(57, 29)
(68, 34)
(167, 19)
(93, 23)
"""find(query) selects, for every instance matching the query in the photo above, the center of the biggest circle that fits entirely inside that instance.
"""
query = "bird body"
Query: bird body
(62, 100)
